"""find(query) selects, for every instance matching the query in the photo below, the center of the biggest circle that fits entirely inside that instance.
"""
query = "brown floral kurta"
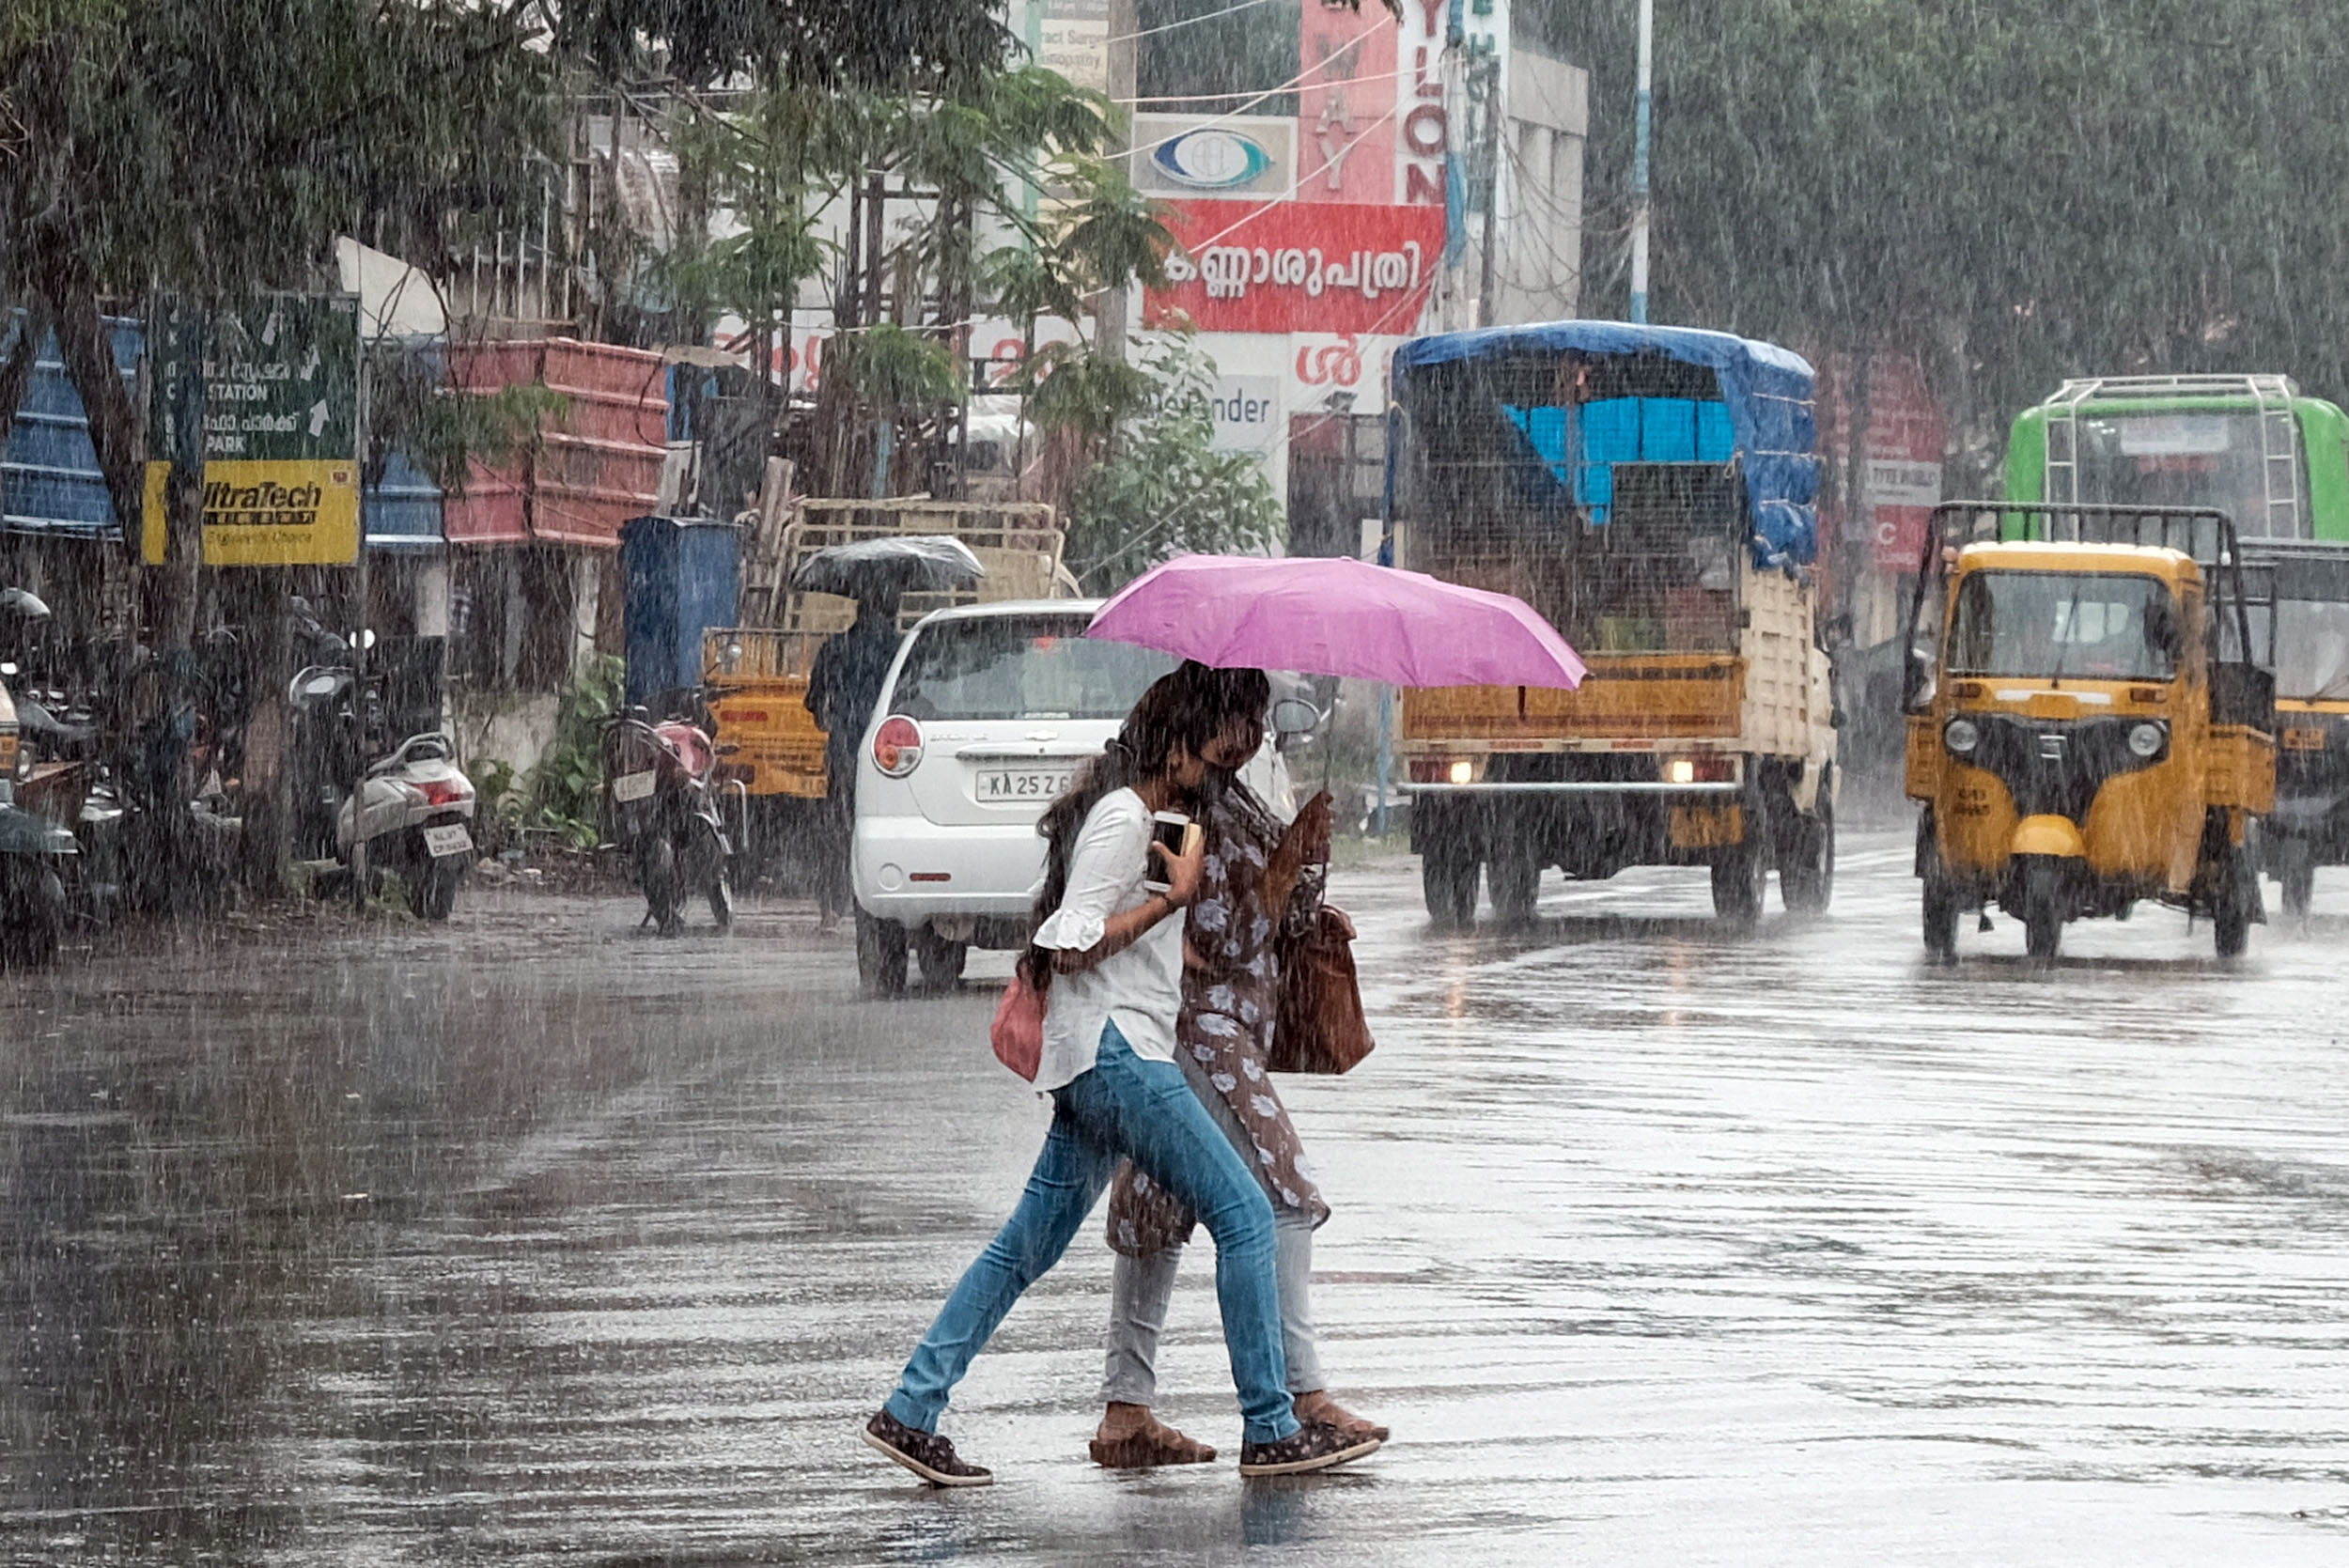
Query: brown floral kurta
(1229, 1006)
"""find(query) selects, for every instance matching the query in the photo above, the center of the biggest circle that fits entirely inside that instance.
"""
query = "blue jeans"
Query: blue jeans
(1124, 1106)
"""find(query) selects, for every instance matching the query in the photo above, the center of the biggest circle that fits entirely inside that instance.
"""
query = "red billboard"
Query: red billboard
(1299, 267)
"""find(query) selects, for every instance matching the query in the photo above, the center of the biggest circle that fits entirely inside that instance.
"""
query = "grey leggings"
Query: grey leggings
(1140, 1288)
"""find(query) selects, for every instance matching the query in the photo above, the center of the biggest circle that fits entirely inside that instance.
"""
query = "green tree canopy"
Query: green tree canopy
(2021, 192)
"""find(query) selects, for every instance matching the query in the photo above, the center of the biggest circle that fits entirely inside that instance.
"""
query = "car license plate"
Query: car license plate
(1024, 783)
(2304, 741)
(449, 839)
(632, 786)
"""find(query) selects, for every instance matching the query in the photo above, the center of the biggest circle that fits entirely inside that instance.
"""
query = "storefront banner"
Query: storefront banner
(281, 427)
(1328, 267)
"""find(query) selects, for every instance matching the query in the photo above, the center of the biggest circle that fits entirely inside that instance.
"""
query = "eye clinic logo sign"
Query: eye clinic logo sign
(1209, 155)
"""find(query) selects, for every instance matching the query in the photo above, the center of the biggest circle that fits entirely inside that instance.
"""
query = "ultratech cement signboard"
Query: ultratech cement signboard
(281, 427)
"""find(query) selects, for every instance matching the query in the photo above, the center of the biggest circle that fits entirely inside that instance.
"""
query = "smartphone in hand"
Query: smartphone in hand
(1174, 832)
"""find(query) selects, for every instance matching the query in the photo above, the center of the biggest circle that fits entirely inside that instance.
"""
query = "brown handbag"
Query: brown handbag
(1320, 1027)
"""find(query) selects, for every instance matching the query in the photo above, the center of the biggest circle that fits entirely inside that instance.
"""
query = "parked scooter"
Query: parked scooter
(411, 812)
(660, 810)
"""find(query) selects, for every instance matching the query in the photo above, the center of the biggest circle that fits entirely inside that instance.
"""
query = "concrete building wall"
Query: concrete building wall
(1538, 272)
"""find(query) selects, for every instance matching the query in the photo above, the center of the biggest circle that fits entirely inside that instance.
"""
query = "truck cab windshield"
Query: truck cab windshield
(2098, 626)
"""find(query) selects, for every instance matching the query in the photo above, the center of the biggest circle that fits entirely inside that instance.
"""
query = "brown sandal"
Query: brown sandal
(1153, 1445)
(1330, 1412)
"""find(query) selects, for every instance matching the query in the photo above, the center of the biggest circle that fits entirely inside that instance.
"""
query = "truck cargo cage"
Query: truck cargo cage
(2272, 400)
(1018, 542)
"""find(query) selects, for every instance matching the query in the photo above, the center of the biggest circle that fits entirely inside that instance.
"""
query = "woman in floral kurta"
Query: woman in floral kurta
(1255, 890)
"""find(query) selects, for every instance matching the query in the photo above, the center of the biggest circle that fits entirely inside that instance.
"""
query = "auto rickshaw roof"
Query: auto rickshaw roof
(2042, 555)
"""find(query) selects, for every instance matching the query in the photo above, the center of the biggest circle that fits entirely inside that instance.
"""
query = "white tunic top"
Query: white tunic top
(1141, 988)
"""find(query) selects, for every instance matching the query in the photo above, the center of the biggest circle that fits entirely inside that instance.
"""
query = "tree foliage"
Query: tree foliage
(1166, 490)
(2019, 190)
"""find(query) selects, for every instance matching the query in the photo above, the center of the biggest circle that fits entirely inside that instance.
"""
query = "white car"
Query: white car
(987, 715)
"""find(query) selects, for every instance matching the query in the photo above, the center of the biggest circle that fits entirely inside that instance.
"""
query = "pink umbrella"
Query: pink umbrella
(1336, 616)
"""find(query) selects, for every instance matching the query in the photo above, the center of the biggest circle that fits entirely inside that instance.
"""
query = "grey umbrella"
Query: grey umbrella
(901, 563)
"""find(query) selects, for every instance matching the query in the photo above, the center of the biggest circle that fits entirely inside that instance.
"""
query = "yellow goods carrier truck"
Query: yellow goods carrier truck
(1649, 489)
(756, 674)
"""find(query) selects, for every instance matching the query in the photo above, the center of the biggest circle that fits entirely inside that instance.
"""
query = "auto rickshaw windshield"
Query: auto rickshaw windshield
(2097, 625)
(2312, 649)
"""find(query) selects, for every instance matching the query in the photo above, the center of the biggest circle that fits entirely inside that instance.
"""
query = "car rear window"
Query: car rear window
(1022, 667)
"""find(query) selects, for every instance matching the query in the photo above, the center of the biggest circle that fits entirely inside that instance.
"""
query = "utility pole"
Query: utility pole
(1492, 190)
(1638, 165)
(1124, 64)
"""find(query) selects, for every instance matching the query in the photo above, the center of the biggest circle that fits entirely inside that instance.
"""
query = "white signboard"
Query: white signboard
(1247, 411)
(1903, 481)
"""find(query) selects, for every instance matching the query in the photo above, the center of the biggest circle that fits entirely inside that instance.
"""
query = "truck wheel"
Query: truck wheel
(1737, 878)
(2043, 909)
(942, 960)
(1448, 878)
(880, 956)
(1806, 879)
(1514, 878)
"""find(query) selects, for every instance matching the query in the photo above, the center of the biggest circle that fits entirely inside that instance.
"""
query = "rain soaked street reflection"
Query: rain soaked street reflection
(536, 1238)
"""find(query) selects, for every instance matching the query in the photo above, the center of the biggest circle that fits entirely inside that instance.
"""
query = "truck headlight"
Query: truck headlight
(1462, 771)
(2148, 738)
(1961, 736)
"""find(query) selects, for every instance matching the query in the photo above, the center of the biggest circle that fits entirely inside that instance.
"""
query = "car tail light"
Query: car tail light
(445, 792)
(897, 746)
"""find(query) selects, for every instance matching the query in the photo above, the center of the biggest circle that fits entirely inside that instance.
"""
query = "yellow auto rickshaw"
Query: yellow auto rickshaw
(2090, 721)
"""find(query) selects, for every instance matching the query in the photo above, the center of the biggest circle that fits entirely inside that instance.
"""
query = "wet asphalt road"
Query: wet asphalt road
(536, 1240)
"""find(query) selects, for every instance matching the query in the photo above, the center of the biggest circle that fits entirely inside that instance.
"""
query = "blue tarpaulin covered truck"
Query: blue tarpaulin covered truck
(1651, 491)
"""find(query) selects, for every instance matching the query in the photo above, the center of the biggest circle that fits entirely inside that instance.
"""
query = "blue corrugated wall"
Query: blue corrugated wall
(49, 478)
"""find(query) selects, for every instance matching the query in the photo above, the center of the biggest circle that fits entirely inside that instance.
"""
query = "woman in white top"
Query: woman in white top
(1110, 952)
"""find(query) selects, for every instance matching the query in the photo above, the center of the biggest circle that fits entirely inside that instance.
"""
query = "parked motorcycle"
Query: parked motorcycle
(414, 807)
(660, 810)
(36, 854)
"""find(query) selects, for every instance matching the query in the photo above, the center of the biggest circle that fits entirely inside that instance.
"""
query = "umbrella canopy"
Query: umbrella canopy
(900, 563)
(1334, 617)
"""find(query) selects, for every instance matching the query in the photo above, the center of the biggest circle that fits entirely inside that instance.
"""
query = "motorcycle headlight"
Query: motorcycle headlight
(2147, 740)
(1961, 736)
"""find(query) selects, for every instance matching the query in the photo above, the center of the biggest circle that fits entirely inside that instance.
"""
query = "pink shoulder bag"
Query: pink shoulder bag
(1018, 1034)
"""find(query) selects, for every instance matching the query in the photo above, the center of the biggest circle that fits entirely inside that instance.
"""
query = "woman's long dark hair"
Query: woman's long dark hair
(1187, 708)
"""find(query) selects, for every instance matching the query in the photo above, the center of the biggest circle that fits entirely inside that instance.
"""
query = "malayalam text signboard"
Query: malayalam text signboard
(280, 379)
(1288, 267)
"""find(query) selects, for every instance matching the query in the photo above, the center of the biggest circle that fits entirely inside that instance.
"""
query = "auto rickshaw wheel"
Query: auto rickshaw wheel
(2043, 909)
(1940, 922)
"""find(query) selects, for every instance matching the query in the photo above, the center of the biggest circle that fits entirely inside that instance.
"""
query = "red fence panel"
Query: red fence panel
(591, 469)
